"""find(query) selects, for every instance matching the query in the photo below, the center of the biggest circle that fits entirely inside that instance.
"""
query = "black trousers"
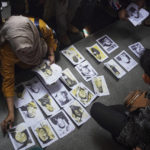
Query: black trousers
(111, 118)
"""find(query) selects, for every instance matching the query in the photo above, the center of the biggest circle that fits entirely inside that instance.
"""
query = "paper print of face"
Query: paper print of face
(106, 42)
(73, 55)
(46, 102)
(85, 71)
(20, 90)
(68, 80)
(84, 95)
(138, 48)
(114, 69)
(77, 112)
(33, 86)
(21, 137)
(96, 53)
(124, 58)
(45, 134)
(60, 120)
(98, 83)
(31, 110)
(62, 96)
(61, 123)
(45, 68)
(134, 12)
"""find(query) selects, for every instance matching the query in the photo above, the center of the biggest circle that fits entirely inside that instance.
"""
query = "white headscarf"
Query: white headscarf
(24, 39)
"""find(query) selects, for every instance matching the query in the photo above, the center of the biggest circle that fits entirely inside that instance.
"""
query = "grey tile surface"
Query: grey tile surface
(90, 136)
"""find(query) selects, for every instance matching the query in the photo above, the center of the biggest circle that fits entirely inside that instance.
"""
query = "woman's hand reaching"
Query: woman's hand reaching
(7, 123)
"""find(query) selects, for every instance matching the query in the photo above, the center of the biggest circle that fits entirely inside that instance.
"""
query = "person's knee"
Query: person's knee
(94, 109)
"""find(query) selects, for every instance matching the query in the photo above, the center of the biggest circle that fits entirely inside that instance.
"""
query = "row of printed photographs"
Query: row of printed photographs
(36, 104)
(86, 70)
(48, 130)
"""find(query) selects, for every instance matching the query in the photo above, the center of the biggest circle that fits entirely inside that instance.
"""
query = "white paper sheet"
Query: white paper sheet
(77, 113)
(84, 95)
(73, 55)
(61, 124)
(137, 48)
(49, 73)
(31, 113)
(136, 15)
(60, 94)
(48, 105)
(44, 133)
(35, 88)
(107, 44)
(100, 86)
(97, 53)
(125, 60)
(86, 70)
(22, 96)
(68, 78)
(21, 137)
(115, 68)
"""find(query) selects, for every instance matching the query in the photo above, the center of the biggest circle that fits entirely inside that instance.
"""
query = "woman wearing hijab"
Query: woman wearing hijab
(24, 42)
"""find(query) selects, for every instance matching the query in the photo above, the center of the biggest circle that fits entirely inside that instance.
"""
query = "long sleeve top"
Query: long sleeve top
(137, 130)
(8, 59)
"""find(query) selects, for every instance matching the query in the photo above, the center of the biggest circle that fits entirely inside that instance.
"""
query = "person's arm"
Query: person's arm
(8, 121)
(8, 61)
(122, 13)
(119, 7)
(49, 38)
(137, 148)
(140, 3)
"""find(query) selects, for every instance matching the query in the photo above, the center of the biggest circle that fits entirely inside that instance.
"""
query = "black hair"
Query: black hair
(44, 142)
(59, 115)
(44, 100)
(119, 58)
(104, 43)
(65, 96)
(145, 61)
(68, 80)
(132, 9)
(95, 51)
(43, 68)
(13, 133)
(76, 108)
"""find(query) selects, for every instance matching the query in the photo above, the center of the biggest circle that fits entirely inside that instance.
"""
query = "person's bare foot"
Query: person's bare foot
(147, 22)
(64, 39)
(73, 29)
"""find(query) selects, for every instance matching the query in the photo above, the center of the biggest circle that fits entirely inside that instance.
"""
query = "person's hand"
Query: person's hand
(7, 123)
(51, 56)
(51, 59)
(122, 14)
(137, 148)
(146, 78)
(140, 3)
